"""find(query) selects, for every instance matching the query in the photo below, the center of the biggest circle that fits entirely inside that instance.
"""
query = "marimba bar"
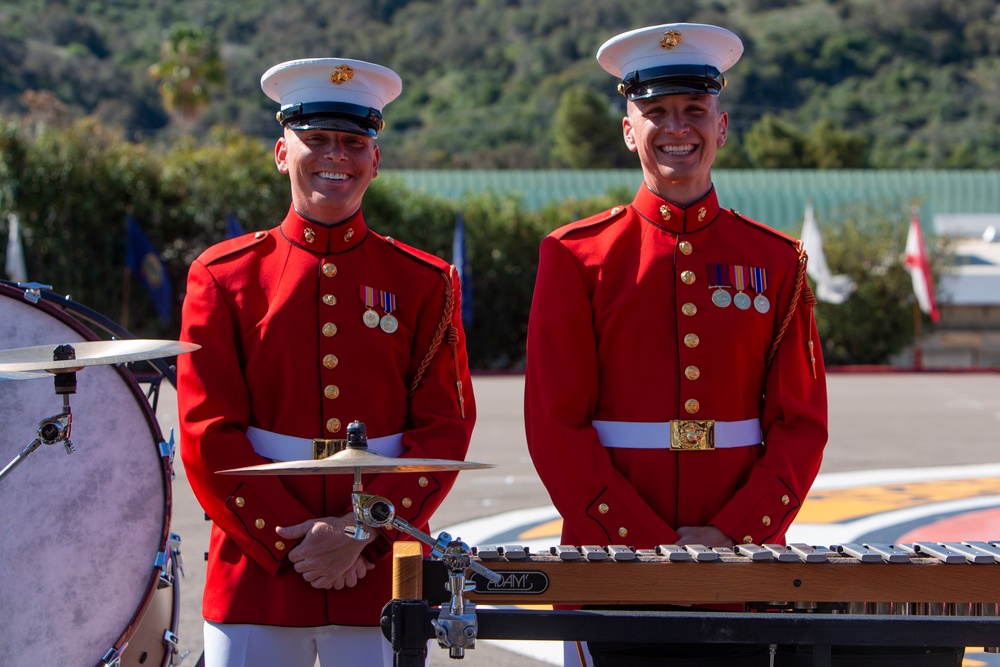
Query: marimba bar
(964, 573)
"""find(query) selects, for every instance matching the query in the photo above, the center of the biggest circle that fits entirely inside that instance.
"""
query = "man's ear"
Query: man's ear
(375, 165)
(627, 134)
(280, 155)
(723, 129)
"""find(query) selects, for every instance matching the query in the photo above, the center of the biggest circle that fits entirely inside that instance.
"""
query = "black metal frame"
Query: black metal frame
(407, 626)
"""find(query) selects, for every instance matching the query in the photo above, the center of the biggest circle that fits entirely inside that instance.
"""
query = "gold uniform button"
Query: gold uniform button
(603, 508)
(407, 503)
(785, 500)
(747, 540)
(329, 299)
(423, 481)
(689, 309)
(279, 545)
(692, 406)
(331, 391)
(330, 361)
(259, 523)
(240, 502)
(692, 340)
(688, 277)
(685, 247)
(329, 329)
(766, 521)
(692, 372)
(329, 270)
(623, 532)
(333, 425)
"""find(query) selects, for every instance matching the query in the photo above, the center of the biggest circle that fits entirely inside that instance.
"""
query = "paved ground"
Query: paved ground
(877, 422)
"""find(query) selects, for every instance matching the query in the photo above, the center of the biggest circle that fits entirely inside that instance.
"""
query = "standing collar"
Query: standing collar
(324, 239)
(675, 218)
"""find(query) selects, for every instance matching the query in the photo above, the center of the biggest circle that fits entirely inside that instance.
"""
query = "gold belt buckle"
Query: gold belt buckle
(323, 448)
(692, 434)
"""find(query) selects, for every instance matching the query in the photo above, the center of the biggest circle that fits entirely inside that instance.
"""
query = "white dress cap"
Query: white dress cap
(331, 94)
(670, 59)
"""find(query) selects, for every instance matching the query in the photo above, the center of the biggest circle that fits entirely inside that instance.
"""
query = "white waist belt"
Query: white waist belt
(278, 447)
(657, 435)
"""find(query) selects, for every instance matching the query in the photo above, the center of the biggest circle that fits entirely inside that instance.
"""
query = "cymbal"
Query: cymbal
(22, 376)
(349, 460)
(89, 353)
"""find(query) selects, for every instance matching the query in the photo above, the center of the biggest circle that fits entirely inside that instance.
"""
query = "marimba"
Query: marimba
(961, 578)
(925, 594)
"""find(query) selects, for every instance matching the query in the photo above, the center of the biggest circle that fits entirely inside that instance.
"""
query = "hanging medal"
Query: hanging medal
(720, 297)
(370, 318)
(758, 279)
(389, 323)
(739, 276)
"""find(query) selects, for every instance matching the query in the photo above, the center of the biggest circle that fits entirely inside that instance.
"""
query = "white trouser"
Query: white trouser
(241, 645)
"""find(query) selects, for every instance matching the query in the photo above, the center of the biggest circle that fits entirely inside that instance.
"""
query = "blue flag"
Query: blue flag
(233, 226)
(460, 258)
(142, 259)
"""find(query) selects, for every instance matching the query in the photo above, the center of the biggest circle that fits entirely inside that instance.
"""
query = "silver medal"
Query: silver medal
(389, 323)
(370, 318)
(721, 298)
(761, 303)
(741, 300)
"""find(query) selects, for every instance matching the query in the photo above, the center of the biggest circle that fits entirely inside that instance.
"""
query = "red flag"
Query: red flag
(919, 268)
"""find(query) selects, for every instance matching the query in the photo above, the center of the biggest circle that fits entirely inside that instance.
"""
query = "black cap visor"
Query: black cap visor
(672, 80)
(332, 116)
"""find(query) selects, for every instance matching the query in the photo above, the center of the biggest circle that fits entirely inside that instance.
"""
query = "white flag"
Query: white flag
(829, 288)
(920, 269)
(15, 267)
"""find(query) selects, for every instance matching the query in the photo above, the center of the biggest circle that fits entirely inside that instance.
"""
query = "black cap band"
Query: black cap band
(672, 80)
(338, 116)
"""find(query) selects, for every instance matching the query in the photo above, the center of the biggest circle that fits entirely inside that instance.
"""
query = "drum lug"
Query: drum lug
(167, 452)
(33, 291)
(113, 658)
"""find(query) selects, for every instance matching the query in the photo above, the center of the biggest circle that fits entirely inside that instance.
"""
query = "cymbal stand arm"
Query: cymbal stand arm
(456, 626)
(51, 431)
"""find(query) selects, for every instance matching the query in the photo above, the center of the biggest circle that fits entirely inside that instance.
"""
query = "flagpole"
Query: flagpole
(917, 347)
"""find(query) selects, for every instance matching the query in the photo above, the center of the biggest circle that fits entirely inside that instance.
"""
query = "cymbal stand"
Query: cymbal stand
(55, 429)
(456, 627)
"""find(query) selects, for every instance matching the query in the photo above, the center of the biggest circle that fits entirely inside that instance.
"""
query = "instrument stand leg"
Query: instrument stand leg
(407, 626)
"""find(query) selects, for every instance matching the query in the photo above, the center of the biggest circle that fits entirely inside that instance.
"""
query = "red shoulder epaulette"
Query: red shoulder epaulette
(229, 247)
(596, 219)
(420, 255)
(764, 228)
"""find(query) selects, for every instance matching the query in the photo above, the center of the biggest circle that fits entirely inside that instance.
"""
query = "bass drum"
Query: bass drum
(87, 564)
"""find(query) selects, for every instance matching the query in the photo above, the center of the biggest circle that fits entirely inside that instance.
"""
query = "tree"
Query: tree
(584, 134)
(188, 70)
(876, 322)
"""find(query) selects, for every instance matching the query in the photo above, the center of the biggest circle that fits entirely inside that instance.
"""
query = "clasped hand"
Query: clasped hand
(326, 557)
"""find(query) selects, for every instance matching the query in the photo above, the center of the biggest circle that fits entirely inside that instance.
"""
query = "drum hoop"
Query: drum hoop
(75, 315)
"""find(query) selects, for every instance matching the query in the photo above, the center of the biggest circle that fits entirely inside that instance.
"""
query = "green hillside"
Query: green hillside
(886, 83)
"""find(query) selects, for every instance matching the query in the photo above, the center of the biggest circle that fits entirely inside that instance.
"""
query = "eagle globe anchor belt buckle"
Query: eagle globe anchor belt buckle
(692, 434)
(322, 448)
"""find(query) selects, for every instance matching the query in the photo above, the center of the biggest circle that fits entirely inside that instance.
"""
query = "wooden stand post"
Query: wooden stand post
(407, 571)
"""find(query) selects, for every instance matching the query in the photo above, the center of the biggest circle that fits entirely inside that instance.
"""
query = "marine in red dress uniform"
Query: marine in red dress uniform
(675, 391)
(305, 328)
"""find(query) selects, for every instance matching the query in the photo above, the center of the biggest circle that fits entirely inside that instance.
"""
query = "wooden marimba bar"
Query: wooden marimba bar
(959, 578)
